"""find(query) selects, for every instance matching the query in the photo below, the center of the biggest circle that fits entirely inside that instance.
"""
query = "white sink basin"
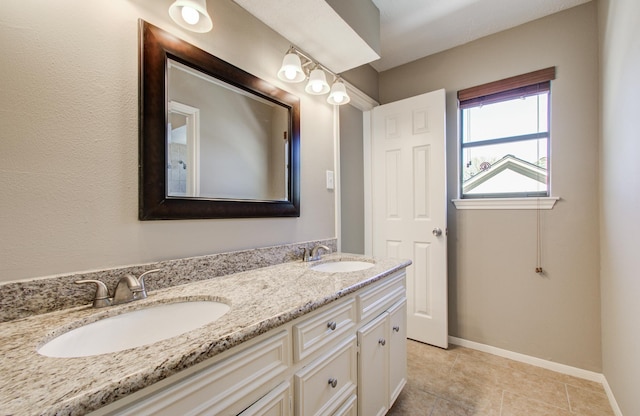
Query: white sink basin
(134, 329)
(342, 266)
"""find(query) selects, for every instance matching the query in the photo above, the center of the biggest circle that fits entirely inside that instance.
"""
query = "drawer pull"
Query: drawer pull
(333, 382)
(332, 325)
(382, 341)
(396, 328)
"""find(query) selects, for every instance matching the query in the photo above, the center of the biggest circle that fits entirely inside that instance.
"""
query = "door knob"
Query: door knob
(437, 232)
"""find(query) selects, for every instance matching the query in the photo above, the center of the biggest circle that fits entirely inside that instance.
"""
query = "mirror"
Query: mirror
(215, 141)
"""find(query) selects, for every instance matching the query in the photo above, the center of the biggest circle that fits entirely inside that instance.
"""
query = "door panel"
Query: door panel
(408, 193)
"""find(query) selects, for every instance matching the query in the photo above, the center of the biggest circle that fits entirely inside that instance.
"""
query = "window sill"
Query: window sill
(506, 203)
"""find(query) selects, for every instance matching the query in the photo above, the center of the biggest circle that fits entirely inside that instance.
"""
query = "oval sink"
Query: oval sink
(342, 266)
(134, 329)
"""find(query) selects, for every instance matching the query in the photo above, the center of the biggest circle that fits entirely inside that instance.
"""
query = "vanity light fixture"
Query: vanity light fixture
(293, 69)
(317, 84)
(191, 15)
(338, 94)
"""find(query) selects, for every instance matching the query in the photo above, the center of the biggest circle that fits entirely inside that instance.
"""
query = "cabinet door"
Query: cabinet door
(373, 366)
(397, 350)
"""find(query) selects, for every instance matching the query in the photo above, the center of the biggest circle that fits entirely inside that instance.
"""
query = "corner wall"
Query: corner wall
(69, 148)
(495, 296)
(619, 23)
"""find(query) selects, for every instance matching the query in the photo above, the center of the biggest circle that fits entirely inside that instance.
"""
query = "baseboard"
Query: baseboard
(612, 399)
(539, 362)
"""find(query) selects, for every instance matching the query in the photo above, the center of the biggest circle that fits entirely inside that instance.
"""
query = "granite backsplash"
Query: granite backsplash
(25, 298)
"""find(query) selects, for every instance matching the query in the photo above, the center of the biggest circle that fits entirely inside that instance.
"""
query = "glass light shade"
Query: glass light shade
(191, 15)
(317, 84)
(291, 70)
(338, 94)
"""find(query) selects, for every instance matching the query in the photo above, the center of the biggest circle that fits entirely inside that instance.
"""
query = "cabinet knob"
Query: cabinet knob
(382, 341)
(333, 382)
(396, 328)
(332, 325)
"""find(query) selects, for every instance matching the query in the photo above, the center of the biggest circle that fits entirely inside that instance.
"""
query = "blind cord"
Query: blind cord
(539, 269)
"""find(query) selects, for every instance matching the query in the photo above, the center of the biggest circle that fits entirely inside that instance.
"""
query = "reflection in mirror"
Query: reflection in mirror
(215, 141)
(235, 142)
(183, 143)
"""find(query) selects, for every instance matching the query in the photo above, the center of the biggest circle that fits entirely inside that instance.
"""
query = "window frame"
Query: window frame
(532, 83)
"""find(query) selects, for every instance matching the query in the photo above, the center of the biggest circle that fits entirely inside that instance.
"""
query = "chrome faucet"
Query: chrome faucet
(129, 288)
(314, 254)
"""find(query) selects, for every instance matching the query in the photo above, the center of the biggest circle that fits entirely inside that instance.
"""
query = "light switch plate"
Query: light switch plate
(330, 183)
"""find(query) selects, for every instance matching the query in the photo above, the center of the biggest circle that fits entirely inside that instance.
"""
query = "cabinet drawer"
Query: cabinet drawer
(325, 384)
(226, 387)
(349, 408)
(276, 403)
(320, 330)
(373, 302)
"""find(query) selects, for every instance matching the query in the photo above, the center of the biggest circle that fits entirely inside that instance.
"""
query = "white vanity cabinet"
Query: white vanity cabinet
(326, 383)
(225, 388)
(382, 361)
(328, 362)
(276, 403)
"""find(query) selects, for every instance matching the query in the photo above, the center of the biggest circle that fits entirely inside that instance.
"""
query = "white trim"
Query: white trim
(336, 178)
(527, 359)
(549, 365)
(506, 203)
(611, 397)
(359, 99)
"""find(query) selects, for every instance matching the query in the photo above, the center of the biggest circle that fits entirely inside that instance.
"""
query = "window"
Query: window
(504, 137)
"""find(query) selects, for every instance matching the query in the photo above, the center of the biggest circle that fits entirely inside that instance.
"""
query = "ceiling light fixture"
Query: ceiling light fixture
(191, 15)
(294, 69)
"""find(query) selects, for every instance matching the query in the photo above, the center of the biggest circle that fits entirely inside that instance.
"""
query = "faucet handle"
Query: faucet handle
(143, 292)
(101, 298)
(305, 253)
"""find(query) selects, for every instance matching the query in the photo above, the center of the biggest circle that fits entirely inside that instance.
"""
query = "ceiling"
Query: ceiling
(412, 29)
(409, 29)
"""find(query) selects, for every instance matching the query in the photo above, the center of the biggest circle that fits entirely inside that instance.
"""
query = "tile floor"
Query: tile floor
(464, 382)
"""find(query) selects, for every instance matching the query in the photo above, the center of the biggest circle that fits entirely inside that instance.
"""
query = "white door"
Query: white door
(408, 210)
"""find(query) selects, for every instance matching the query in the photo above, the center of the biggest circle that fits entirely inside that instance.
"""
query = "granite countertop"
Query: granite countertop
(260, 300)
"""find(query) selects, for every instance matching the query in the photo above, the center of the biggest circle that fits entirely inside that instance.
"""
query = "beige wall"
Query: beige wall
(351, 180)
(495, 296)
(365, 78)
(620, 199)
(69, 147)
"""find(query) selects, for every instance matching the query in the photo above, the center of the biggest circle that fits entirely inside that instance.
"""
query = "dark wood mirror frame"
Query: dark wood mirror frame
(156, 46)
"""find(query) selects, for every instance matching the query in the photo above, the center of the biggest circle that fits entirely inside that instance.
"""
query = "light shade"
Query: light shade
(291, 70)
(191, 15)
(317, 84)
(338, 94)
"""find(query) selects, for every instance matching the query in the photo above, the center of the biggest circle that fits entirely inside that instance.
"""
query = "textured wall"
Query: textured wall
(620, 199)
(495, 296)
(69, 146)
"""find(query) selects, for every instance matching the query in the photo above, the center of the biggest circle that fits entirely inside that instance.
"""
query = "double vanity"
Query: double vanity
(325, 337)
